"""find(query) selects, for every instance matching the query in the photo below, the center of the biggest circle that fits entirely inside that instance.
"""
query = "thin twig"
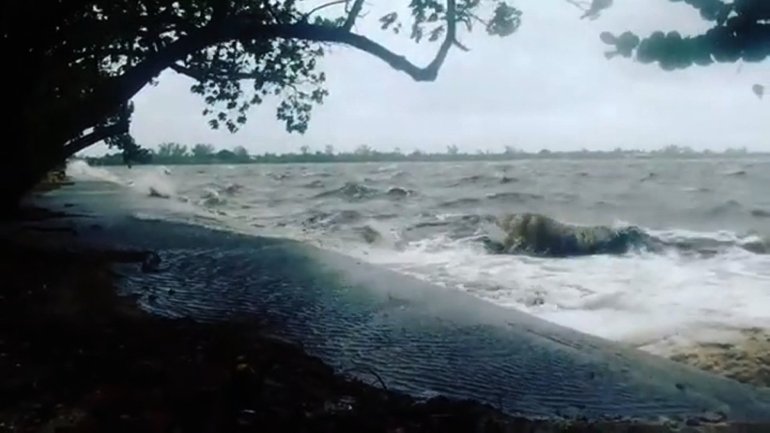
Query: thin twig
(323, 6)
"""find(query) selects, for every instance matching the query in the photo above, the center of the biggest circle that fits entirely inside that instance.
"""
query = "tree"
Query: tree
(171, 151)
(740, 31)
(329, 150)
(76, 64)
(225, 155)
(363, 150)
(452, 150)
(241, 154)
(202, 151)
(510, 150)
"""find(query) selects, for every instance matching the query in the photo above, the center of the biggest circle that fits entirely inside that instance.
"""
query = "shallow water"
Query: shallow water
(425, 220)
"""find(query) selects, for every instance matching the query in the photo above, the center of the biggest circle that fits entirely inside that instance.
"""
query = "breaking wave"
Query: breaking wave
(698, 263)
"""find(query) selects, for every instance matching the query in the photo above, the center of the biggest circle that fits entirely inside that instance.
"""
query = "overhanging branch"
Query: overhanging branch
(325, 34)
(97, 135)
(355, 11)
(306, 16)
(200, 75)
(118, 90)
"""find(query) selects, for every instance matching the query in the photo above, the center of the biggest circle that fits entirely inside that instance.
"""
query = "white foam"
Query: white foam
(80, 170)
(653, 301)
(644, 300)
(146, 180)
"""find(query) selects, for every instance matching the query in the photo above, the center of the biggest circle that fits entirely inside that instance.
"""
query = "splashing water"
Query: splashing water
(80, 170)
(713, 280)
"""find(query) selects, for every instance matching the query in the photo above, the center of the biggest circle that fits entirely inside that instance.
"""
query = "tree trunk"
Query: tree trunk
(16, 182)
(21, 170)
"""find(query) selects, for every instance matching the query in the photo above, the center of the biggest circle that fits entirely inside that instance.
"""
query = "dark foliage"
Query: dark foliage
(740, 32)
(76, 64)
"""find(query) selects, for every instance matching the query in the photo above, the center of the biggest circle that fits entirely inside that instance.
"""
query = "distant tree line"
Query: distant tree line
(179, 154)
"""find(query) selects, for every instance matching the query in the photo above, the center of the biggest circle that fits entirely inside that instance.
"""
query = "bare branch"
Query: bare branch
(580, 5)
(355, 11)
(459, 45)
(323, 6)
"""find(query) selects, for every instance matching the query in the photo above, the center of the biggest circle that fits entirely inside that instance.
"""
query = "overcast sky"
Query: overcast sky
(547, 86)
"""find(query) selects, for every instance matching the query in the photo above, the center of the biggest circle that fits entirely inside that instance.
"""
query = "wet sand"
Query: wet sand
(747, 359)
(75, 357)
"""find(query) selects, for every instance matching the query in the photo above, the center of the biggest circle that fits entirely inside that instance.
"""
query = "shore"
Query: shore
(79, 358)
(746, 359)
(76, 357)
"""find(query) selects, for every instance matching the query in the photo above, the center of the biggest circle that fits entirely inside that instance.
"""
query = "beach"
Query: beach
(78, 301)
(76, 357)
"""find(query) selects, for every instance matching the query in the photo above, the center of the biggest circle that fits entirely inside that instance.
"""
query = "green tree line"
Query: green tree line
(179, 154)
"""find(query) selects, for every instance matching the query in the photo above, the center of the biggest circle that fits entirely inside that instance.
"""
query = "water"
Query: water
(426, 220)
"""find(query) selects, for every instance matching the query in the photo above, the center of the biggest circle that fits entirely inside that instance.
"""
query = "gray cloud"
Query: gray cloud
(548, 86)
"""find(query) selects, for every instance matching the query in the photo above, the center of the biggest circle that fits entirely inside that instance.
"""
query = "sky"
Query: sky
(547, 86)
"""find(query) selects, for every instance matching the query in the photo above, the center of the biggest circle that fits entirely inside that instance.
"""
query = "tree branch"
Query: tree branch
(97, 135)
(355, 11)
(201, 75)
(115, 91)
(306, 16)
(580, 5)
(341, 36)
(118, 90)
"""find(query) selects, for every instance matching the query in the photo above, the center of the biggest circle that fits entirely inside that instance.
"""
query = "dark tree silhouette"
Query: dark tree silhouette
(740, 31)
(74, 65)
(203, 151)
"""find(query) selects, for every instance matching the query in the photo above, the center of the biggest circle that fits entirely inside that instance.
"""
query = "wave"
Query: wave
(460, 202)
(711, 243)
(316, 174)
(332, 219)
(475, 179)
(279, 176)
(539, 235)
(725, 208)
(210, 197)
(351, 191)
(232, 188)
(514, 196)
(80, 170)
(154, 182)
(315, 184)
(736, 173)
(397, 192)
(701, 189)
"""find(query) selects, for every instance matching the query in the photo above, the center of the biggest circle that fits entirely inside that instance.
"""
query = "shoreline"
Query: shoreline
(77, 356)
(78, 299)
(745, 359)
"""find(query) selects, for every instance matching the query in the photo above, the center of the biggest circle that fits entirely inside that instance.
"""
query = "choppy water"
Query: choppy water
(426, 220)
